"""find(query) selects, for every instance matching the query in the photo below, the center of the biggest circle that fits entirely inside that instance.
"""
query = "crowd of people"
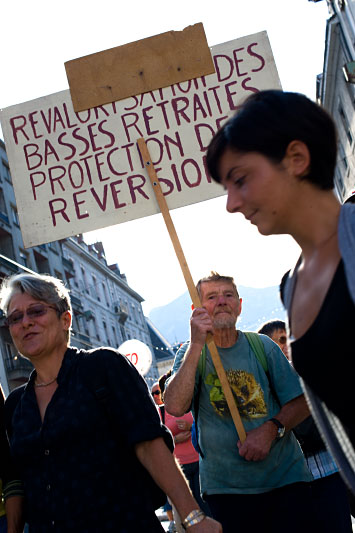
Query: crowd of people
(87, 447)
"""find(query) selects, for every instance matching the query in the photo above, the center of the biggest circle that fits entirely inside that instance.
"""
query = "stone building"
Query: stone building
(107, 311)
(336, 88)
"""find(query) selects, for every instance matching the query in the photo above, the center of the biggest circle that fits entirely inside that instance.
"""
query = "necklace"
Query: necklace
(46, 384)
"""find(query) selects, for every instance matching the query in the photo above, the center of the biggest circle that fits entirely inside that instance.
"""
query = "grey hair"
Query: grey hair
(41, 287)
(214, 276)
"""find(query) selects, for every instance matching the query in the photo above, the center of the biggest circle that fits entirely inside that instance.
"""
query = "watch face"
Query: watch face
(281, 432)
(280, 428)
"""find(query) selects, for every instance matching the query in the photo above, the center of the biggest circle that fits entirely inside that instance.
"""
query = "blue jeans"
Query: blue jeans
(192, 474)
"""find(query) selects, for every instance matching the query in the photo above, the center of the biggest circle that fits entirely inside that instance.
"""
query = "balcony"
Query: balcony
(76, 303)
(81, 340)
(8, 264)
(68, 267)
(88, 314)
(18, 368)
(121, 311)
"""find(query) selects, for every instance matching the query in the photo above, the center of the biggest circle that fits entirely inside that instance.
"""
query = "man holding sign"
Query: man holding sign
(258, 483)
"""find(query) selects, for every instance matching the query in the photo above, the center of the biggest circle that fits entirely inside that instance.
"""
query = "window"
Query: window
(14, 216)
(3, 211)
(53, 246)
(134, 314)
(96, 330)
(115, 339)
(104, 290)
(346, 124)
(94, 291)
(24, 258)
(83, 275)
(342, 156)
(6, 170)
(9, 357)
(58, 274)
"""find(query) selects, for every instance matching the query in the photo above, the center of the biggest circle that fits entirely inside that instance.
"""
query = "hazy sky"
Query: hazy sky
(38, 37)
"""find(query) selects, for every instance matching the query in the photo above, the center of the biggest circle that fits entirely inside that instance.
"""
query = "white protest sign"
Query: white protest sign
(138, 353)
(76, 172)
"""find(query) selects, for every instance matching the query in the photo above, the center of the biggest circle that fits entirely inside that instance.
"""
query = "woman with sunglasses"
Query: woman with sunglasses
(78, 443)
(276, 159)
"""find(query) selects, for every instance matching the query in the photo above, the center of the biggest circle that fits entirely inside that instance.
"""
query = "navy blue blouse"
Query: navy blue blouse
(79, 474)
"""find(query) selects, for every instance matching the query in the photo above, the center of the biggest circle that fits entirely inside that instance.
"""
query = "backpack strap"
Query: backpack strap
(202, 362)
(257, 346)
(201, 369)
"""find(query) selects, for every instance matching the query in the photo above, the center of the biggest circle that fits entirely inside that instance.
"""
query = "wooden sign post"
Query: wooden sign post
(190, 285)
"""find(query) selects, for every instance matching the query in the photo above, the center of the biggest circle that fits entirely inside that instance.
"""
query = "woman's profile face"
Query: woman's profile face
(35, 336)
(258, 188)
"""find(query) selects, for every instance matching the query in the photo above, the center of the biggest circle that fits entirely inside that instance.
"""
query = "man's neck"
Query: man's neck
(225, 337)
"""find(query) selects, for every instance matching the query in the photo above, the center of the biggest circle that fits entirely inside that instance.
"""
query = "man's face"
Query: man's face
(280, 337)
(222, 303)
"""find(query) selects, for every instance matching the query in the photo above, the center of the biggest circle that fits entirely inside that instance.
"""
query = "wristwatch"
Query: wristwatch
(280, 427)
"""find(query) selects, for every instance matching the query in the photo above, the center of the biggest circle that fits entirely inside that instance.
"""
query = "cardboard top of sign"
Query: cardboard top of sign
(139, 67)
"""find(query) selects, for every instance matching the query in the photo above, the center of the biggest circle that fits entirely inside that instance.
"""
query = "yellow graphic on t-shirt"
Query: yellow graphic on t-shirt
(246, 391)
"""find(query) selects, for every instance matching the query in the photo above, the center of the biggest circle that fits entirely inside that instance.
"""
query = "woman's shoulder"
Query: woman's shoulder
(102, 359)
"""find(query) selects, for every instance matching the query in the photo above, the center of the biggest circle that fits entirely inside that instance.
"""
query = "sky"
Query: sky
(38, 37)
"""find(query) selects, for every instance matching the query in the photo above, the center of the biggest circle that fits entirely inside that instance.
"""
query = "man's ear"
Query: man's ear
(240, 305)
(297, 158)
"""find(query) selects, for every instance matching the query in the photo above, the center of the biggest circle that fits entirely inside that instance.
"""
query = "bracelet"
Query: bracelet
(193, 518)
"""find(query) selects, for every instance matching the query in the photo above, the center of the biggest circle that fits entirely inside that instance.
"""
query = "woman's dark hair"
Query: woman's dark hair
(268, 121)
(162, 381)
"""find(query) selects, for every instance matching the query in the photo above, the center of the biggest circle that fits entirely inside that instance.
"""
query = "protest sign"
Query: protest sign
(76, 172)
(139, 67)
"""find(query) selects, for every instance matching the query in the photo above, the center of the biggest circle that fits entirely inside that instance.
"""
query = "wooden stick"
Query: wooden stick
(191, 286)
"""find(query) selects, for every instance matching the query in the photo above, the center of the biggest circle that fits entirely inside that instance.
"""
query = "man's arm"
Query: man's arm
(160, 463)
(179, 391)
(14, 514)
(259, 440)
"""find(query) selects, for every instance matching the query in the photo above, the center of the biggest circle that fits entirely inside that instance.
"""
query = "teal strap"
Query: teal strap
(202, 363)
(257, 346)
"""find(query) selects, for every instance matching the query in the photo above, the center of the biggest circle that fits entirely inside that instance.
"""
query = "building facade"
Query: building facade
(106, 310)
(336, 88)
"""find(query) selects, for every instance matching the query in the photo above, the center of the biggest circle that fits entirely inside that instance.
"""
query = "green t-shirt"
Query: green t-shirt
(222, 469)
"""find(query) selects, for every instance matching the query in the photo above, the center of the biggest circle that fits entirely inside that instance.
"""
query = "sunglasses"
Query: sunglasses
(283, 339)
(155, 392)
(33, 312)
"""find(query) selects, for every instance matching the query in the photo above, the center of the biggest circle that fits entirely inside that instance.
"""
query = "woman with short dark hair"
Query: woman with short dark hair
(276, 158)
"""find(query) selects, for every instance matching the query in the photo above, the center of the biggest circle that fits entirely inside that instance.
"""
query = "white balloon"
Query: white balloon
(138, 353)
